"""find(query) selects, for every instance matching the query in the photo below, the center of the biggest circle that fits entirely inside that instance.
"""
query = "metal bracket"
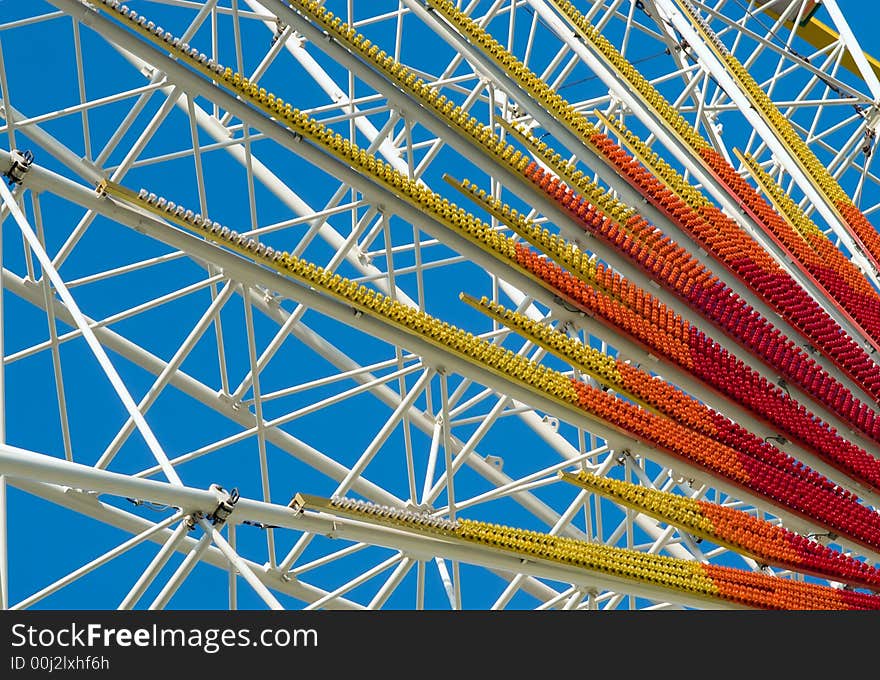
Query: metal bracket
(192, 520)
(225, 507)
(495, 461)
(822, 538)
(551, 422)
(21, 163)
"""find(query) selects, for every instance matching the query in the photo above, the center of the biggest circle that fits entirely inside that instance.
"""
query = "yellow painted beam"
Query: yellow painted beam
(820, 36)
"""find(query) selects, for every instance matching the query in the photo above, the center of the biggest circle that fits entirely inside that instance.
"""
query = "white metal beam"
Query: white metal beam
(35, 467)
(828, 212)
(89, 335)
(86, 505)
(856, 51)
(248, 272)
(195, 85)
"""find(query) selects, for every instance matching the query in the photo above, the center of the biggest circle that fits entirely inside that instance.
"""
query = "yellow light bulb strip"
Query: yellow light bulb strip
(656, 396)
(625, 69)
(551, 100)
(705, 582)
(569, 173)
(413, 192)
(658, 167)
(587, 360)
(499, 361)
(838, 200)
(564, 253)
(502, 362)
(681, 575)
(679, 511)
(586, 268)
(737, 530)
(783, 203)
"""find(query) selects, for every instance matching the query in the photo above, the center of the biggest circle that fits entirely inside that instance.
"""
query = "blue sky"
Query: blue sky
(46, 542)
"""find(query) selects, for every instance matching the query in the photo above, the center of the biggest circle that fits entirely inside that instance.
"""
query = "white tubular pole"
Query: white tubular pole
(405, 403)
(240, 565)
(573, 601)
(89, 335)
(448, 585)
(420, 586)
(354, 583)
(432, 460)
(509, 591)
(183, 570)
(393, 581)
(155, 566)
(296, 551)
(111, 516)
(232, 577)
(165, 376)
(10, 202)
(4, 558)
(100, 561)
(852, 45)
(24, 464)
(555, 601)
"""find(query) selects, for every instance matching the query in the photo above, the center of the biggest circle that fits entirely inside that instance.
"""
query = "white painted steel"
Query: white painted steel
(389, 417)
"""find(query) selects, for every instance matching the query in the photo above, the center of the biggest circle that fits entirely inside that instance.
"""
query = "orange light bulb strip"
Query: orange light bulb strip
(759, 468)
(740, 531)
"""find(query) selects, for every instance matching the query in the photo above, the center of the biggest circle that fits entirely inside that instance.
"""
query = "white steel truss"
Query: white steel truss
(151, 378)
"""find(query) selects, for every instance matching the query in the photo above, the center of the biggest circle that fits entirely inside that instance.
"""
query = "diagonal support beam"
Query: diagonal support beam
(240, 565)
(89, 335)
(156, 564)
(34, 467)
